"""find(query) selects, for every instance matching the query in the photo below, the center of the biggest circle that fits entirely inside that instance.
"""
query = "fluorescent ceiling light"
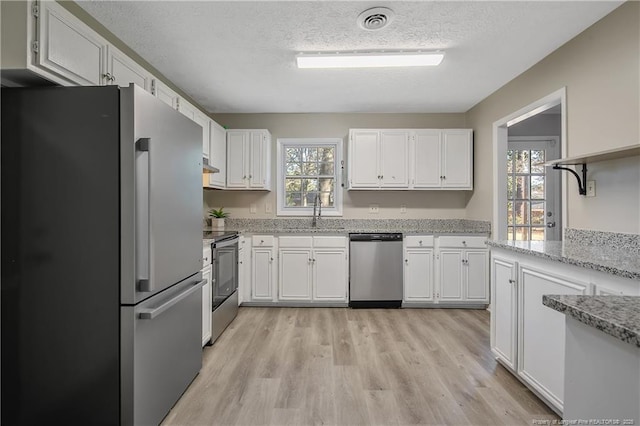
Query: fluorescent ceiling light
(369, 60)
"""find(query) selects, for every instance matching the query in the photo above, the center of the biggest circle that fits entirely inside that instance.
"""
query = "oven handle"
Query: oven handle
(226, 243)
(154, 312)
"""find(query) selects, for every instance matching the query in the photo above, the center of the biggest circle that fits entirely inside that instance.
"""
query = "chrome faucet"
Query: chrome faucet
(317, 202)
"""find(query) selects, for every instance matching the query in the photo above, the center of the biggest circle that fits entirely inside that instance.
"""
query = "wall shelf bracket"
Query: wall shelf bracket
(582, 182)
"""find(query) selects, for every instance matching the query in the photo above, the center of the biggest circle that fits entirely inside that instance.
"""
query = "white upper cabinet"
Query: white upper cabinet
(363, 159)
(394, 159)
(164, 93)
(69, 48)
(411, 159)
(457, 159)
(203, 121)
(249, 159)
(122, 70)
(194, 114)
(426, 159)
(378, 159)
(217, 155)
(237, 155)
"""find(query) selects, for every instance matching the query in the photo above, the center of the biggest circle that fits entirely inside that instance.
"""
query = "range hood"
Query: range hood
(206, 168)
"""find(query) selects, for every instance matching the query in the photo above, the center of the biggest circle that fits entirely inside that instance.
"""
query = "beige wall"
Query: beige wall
(600, 69)
(420, 204)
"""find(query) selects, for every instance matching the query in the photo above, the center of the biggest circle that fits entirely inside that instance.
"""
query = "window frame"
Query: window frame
(283, 143)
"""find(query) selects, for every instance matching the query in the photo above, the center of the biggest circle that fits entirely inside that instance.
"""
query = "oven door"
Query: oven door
(225, 270)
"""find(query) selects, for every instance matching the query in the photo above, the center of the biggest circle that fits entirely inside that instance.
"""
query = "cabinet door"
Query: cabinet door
(418, 275)
(262, 274)
(394, 159)
(330, 275)
(258, 159)
(451, 277)
(476, 269)
(295, 274)
(165, 94)
(541, 331)
(206, 306)
(426, 159)
(503, 310)
(237, 156)
(457, 159)
(68, 47)
(363, 159)
(123, 70)
(203, 121)
(217, 154)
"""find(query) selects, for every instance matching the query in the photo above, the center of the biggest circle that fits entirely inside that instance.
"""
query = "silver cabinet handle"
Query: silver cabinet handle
(151, 313)
(143, 215)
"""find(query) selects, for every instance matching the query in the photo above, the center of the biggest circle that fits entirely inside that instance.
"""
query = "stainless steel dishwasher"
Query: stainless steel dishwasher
(375, 270)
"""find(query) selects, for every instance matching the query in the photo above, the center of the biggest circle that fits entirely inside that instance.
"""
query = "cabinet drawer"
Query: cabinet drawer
(463, 242)
(262, 241)
(419, 241)
(295, 242)
(206, 256)
(320, 242)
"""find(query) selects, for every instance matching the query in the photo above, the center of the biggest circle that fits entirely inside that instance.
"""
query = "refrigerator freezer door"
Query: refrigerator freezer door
(161, 186)
(161, 351)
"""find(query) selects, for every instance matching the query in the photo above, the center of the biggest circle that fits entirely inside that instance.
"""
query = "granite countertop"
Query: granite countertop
(615, 261)
(618, 316)
(347, 226)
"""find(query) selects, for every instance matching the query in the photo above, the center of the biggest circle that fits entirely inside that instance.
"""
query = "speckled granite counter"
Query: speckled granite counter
(618, 316)
(346, 226)
(620, 262)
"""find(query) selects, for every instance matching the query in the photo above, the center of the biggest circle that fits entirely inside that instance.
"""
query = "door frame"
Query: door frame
(557, 198)
(500, 139)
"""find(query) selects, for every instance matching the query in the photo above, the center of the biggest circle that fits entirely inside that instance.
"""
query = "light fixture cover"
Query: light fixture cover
(369, 59)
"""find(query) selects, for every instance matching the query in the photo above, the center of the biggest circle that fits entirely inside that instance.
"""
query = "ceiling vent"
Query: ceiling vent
(375, 19)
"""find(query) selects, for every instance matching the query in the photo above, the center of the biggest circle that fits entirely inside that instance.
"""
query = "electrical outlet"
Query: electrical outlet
(591, 188)
(268, 208)
(374, 209)
(253, 209)
(403, 209)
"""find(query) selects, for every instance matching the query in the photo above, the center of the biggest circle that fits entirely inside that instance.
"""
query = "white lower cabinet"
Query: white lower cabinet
(330, 272)
(504, 304)
(542, 331)
(262, 274)
(463, 270)
(526, 336)
(295, 267)
(312, 269)
(451, 275)
(447, 270)
(418, 275)
(206, 295)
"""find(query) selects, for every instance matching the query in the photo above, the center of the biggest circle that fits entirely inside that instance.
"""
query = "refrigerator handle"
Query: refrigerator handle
(151, 313)
(142, 213)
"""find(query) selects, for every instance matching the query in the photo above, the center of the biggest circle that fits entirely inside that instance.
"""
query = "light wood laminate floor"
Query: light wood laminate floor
(338, 366)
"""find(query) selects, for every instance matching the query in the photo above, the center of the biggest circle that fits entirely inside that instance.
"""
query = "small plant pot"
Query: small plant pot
(217, 223)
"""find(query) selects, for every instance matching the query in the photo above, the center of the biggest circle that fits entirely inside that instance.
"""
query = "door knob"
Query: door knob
(551, 224)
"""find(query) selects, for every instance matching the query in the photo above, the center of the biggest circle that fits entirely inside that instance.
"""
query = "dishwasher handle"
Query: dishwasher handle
(376, 237)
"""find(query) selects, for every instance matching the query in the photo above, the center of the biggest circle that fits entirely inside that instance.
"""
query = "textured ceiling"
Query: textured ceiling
(239, 56)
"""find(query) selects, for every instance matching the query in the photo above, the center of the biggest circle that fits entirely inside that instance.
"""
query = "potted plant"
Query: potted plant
(217, 218)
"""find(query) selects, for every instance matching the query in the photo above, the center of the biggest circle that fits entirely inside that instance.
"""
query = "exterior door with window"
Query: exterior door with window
(533, 190)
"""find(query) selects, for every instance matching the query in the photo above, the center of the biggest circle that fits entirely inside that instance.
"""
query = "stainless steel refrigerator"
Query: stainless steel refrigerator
(101, 252)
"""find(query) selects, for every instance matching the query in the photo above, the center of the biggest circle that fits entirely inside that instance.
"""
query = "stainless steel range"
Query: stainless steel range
(224, 282)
